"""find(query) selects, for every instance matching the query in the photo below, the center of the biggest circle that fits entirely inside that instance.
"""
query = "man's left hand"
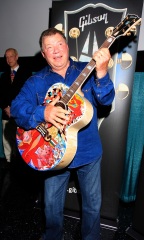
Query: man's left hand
(102, 57)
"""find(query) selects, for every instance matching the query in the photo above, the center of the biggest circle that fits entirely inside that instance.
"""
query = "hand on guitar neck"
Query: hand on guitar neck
(56, 115)
(102, 57)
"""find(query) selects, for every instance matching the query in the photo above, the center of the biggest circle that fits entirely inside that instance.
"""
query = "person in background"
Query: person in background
(28, 110)
(11, 82)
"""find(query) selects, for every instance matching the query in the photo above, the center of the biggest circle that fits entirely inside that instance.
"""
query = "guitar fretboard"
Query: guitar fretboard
(79, 81)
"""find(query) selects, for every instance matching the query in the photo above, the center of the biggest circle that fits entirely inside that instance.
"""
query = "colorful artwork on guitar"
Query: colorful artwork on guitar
(48, 148)
(45, 151)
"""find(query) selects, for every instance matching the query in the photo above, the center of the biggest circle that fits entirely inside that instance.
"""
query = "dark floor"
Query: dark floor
(21, 215)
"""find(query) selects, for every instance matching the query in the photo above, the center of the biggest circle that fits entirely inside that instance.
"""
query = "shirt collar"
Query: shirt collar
(16, 68)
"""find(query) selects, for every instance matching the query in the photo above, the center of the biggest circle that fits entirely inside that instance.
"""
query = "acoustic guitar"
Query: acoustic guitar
(47, 148)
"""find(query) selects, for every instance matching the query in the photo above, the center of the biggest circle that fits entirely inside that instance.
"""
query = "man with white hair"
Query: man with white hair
(11, 82)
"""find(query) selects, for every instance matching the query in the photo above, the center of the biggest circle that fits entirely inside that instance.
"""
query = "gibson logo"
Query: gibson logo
(87, 20)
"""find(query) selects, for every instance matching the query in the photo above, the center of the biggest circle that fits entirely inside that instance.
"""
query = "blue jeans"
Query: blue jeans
(55, 192)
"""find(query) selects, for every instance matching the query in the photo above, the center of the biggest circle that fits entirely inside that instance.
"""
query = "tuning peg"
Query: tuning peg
(128, 34)
(134, 30)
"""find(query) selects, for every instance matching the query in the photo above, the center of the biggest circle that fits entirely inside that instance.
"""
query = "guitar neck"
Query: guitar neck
(84, 74)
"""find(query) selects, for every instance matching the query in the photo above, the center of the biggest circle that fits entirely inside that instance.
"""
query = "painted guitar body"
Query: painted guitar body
(59, 148)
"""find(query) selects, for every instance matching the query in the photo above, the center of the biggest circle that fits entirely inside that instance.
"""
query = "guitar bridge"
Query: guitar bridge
(44, 132)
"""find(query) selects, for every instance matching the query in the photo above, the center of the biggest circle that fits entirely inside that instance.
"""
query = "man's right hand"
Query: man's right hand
(56, 115)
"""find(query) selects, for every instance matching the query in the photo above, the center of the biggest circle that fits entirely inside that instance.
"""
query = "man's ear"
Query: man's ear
(43, 54)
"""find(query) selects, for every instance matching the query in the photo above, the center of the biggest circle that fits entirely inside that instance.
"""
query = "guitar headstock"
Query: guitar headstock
(126, 26)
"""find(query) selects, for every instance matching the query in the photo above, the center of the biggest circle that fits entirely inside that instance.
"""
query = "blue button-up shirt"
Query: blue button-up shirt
(28, 108)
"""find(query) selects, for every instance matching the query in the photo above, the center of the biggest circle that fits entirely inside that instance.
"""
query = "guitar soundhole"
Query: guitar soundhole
(62, 105)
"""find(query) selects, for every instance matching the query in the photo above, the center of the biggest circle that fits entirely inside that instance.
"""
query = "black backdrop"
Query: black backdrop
(113, 128)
